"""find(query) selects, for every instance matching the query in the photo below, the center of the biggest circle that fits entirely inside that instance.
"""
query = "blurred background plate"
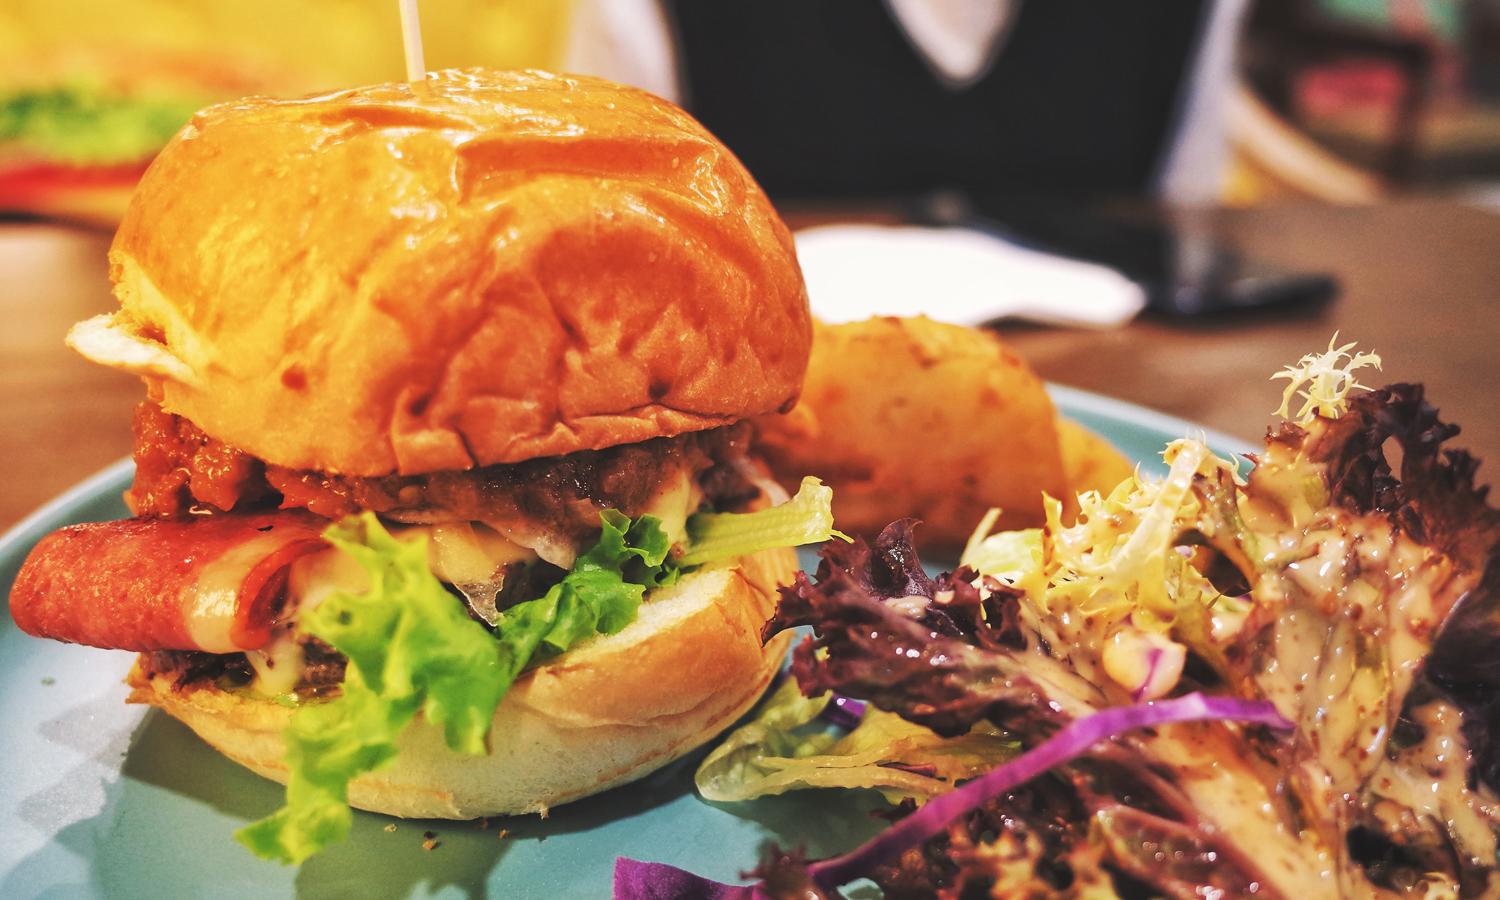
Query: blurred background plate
(102, 800)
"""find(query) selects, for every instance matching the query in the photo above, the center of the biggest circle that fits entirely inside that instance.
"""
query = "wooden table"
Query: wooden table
(1421, 286)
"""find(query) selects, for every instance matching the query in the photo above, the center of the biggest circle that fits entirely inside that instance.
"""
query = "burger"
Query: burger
(443, 504)
(79, 124)
(89, 94)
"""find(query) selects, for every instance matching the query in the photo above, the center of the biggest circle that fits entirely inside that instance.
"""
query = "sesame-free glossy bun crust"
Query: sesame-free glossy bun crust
(605, 713)
(482, 268)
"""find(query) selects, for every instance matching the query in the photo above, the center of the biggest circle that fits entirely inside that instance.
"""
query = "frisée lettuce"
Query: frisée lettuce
(789, 747)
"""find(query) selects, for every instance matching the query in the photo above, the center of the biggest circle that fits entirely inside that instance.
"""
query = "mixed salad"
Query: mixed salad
(1277, 683)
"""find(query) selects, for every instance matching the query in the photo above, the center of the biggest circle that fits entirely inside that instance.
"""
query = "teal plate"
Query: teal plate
(100, 799)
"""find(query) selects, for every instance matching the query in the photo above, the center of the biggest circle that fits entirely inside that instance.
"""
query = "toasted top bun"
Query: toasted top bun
(482, 268)
(611, 710)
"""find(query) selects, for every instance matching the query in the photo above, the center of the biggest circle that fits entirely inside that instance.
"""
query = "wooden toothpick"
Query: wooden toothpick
(411, 41)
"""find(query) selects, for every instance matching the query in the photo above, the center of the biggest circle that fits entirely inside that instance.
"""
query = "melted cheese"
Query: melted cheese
(676, 499)
(312, 579)
(209, 603)
(468, 553)
(278, 666)
(459, 553)
(318, 576)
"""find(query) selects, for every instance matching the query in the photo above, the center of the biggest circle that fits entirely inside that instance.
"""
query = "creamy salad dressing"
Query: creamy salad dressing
(1427, 780)
(1361, 603)
(1349, 606)
(1241, 806)
(1358, 605)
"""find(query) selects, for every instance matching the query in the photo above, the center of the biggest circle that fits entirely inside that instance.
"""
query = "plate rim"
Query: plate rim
(79, 494)
(1103, 404)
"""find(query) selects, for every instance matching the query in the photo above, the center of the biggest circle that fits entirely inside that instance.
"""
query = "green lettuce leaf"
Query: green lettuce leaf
(413, 649)
(599, 596)
(786, 747)
(806, 519)
(82, 125)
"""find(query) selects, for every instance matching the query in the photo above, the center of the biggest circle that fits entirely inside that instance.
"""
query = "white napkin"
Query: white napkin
(955, 275)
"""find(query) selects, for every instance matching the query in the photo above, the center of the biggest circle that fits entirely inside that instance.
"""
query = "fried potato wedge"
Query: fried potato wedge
(1090, 463)
(911, 417)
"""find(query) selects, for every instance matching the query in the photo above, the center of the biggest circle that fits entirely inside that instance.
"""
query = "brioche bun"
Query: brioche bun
(613, 709)
(482, 268)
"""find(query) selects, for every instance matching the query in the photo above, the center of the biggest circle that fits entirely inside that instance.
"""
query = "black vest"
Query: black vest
(827, 98)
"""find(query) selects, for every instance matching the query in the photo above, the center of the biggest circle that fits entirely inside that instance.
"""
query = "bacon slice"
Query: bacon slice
(212, 583)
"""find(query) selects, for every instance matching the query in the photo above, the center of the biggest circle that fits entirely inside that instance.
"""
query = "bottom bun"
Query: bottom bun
(605, 713)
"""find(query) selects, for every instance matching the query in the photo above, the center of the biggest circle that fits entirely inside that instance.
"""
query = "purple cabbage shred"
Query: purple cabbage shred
(635, 880)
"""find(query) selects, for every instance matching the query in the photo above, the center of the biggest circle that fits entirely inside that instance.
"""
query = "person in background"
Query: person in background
(842, 98)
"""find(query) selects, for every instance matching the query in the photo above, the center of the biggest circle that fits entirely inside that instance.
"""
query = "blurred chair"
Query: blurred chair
(1284, 38)
(1271, 160)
